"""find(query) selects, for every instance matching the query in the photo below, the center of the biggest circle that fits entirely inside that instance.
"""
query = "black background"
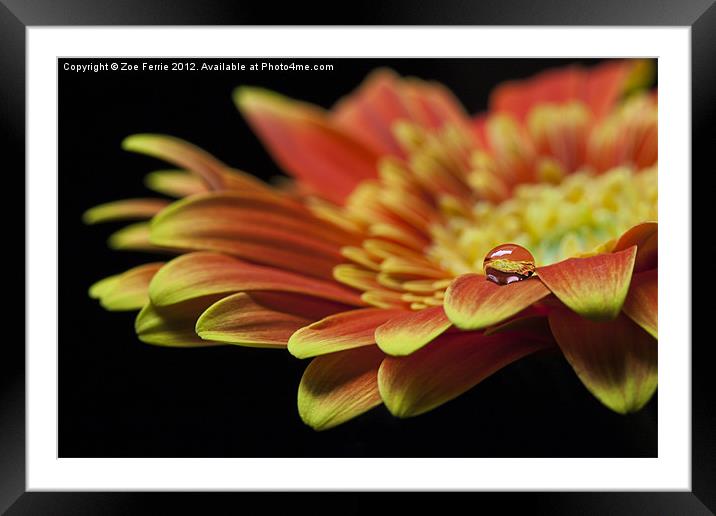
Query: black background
(119, 397)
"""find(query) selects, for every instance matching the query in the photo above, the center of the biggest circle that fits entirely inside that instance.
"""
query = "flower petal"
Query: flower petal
(240, 320)
(134, 237)
(200, 274)
(253, 226)
(99, 288)
(532, 320)
(126, 209)
(616, 360)
(594, 287)
(338, 387)
(232, 213)
(551, 86)
(472, 302)
(645, 237)
(408, 332)
(641, 304)
(604, 85)
(175, 183)
(356, 277)
(369, 113)
(341, 331)
(599, 87)
(446, 368)
(306, 143)
(306, 306)
(173, 326)
(434, 105)
(236, 180)
(180, 153)
(128, 290)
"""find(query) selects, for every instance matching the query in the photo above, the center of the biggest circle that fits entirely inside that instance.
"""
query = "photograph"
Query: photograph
(359, 252)
(357, 257)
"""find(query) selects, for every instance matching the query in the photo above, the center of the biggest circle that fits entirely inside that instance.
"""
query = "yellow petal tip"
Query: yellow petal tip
(89, 217)
(135, 141)
(251, 98)
(294, 347)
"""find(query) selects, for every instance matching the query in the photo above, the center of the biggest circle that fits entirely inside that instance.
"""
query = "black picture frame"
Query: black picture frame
(700, 15)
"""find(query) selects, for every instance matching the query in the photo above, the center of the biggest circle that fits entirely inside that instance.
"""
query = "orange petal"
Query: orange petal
(445, 368)
(175, 183)
(338, 387)
(135, 237)
(646, 237)
(369, 113)
(240, 320)
(599, 87)
(479, 130)
(306, 306)
(230, 214)
(604, 85)
(594, 287)
(408, 332)
(254, 227)
(519, 97)
(127, 209)
(472, 302)
(641, 304)
(128, 290)
(173, 326)
(183, 183)
(434, 105)
(346, 330)
(180, 153)
(240, 181)
(307, 144)
(646, 153)
(532, 320)
(616, 360)
(297, 256)
(200, 274)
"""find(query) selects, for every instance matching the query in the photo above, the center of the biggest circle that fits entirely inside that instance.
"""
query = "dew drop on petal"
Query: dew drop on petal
(508, 263)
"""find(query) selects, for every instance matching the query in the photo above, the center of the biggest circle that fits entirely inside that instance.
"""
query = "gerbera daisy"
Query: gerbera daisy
(417, 250)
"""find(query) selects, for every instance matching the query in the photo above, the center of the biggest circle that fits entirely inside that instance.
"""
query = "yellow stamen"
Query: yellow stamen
(554, 222)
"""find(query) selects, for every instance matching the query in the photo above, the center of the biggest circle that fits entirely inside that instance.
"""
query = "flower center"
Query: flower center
(554, 222)
(552, 185)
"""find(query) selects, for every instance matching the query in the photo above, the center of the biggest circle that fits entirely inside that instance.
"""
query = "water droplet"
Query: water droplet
(508, 263)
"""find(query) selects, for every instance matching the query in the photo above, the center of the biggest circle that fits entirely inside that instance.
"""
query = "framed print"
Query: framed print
(280, 397)
(374, 257)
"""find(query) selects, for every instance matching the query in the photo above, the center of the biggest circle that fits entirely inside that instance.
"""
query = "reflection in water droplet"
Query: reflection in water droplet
(508, 263)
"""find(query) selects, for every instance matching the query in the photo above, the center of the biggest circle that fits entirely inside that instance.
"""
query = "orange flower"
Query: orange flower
(371, 261)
